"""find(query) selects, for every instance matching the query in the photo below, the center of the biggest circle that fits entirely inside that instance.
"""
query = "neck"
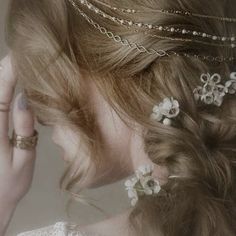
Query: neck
(115, 226)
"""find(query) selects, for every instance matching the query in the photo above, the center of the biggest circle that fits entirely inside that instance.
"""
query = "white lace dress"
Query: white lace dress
(58, 229)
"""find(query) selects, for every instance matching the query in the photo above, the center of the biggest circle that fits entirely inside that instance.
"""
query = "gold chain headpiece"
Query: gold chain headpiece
(151, 51)
(162, 28)
(170, 12)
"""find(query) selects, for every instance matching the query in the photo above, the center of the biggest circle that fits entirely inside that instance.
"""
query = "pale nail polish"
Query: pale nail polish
(22, 102)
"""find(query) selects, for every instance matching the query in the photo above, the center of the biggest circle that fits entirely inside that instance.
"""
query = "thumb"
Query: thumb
(23, 124)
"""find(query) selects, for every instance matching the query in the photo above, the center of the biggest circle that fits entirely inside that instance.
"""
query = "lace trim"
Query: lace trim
(59, 229)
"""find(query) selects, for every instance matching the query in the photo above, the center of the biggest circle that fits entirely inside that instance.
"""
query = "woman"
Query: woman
(145, 88)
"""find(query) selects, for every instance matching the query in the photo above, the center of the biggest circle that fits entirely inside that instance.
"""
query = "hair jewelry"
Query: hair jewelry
(216, 44)
(142, 184)
(141, 48)
(167, 109)
(212, 92)
(157, 27)
(170, 12)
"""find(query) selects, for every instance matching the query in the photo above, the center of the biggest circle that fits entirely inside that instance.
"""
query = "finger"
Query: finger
(7, 87)
(23, 123)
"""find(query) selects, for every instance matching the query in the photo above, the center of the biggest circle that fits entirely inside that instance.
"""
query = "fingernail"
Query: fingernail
(22, 102)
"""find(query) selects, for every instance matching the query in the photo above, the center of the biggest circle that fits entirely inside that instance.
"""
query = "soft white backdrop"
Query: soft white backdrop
(45, 204)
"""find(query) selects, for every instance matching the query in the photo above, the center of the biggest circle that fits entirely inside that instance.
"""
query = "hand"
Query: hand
(16, 165)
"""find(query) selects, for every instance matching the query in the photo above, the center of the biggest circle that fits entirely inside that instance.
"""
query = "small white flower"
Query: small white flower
(208, 98)
(233, 76)
(231, 84)
(150, 185)
(131, 182)
(211, 83)
(156, 114)
(210, 80)
(156, 109)
(218, 100)
(157, 188)
(198, 92)
(205, 78)
(215, 79)
(219, 93)
(167, 121)
(144, 170)
(220, 90)
(208, 88)
(169, 107)
(212, 92)
(142, 184)
(134, 201)
(132, 192)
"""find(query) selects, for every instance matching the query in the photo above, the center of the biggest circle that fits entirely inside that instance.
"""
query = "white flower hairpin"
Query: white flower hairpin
(167, 109)
(212, 92)
(231, 84)
(143, 183)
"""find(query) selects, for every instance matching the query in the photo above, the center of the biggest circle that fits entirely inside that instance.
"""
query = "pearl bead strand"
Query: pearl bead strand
(158, 27)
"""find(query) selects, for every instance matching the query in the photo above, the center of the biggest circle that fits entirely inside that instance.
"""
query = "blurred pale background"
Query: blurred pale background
(45, 204)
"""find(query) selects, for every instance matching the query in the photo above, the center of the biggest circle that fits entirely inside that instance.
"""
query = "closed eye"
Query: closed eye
(41, 122)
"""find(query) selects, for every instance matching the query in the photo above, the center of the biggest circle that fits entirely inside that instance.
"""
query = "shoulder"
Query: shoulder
(58, 229)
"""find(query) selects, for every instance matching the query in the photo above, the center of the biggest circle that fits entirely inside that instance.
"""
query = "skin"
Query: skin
(122, 146)
(16, 165)
(122, 149)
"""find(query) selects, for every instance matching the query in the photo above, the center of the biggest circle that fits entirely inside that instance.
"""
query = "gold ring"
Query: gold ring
(4, 110)
(23, 142)
(5, 104)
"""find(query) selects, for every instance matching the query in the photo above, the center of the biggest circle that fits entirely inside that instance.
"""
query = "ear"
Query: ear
(140, 157)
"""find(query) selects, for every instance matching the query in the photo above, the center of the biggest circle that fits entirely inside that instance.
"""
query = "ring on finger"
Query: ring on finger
(5, 110)
(5, 107)
(23, 142)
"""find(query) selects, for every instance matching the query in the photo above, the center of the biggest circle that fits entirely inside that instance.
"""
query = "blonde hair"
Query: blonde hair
(53, 47)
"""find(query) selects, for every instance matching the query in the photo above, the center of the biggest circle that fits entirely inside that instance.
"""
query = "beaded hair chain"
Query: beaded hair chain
(161, 28)
(170, 12)
(172, 29)
(141, 48)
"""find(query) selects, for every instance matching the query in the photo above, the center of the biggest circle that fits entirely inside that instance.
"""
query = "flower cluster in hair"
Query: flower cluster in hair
(142, 183)
(212, 92)
(167, 109)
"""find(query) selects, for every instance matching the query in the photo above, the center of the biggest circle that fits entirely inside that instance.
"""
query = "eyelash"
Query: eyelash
(42, 122)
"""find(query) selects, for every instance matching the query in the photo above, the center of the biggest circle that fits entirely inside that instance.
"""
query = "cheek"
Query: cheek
(115, 134)
(115, 140)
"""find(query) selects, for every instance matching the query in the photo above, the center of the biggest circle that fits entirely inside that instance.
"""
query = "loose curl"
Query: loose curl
(53, 47)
